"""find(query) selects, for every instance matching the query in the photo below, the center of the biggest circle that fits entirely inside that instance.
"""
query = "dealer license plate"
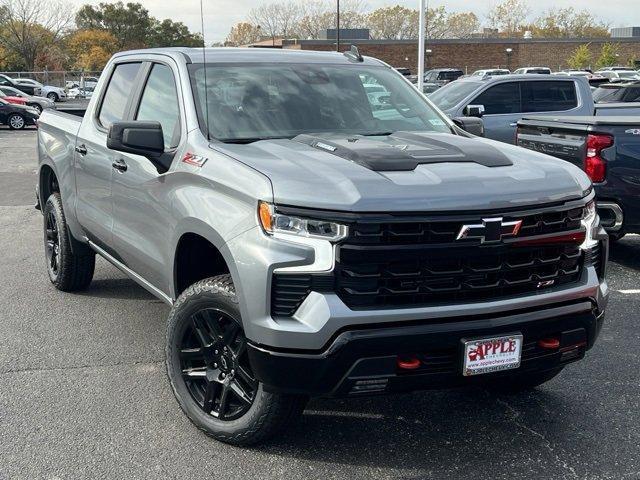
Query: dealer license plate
(485, 355)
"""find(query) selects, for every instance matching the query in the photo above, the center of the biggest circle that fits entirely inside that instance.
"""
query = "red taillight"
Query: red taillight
(594, 165)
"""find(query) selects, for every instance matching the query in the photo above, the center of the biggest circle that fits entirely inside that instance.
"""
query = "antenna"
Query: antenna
(204, 63)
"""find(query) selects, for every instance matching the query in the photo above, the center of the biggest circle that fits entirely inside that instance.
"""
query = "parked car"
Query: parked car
(503, 100)
(405, 72)
(490, 72)
(39, 103)
(608, 149)
(437, 77)
(55, 94)
(620, 69)
(88, 82)
(12, 98)
(618, 92)
(533, 70)
(6, 81)
(17, 116)
(619, 75)
(79, 92)
(593, 79)
(29, 82)
(298, 233)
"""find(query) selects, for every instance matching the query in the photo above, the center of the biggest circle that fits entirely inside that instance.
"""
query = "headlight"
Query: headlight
(590, 222)
(273, 222)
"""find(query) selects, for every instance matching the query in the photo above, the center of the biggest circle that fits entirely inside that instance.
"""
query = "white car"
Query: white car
(55, 94)
(541, 70)
(78, 92)
(490, 72)
(619, 75)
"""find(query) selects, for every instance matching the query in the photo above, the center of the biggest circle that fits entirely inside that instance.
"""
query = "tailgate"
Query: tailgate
(561, 140)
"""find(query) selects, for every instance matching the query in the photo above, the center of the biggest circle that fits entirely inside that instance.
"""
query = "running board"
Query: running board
(155, 291)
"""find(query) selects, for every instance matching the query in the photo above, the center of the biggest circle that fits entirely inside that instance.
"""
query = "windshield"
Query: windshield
(453, 93)
(603, 94)
(253, 102)
(631, 75)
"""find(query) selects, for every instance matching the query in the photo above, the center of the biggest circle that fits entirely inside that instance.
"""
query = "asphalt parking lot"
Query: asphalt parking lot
(83, 392)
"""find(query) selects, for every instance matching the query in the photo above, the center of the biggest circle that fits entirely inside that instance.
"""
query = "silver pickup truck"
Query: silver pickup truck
(313, 240)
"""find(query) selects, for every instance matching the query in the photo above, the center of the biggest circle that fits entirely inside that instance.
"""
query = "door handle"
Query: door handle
(119, 165)
(81, 149)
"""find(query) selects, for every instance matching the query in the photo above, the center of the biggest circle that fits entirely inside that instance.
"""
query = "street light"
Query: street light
(509, 51)
(421, 35)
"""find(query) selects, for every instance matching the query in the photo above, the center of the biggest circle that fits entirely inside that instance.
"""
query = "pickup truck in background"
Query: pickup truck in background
(503, 100)
(313, 240)
(607, 149)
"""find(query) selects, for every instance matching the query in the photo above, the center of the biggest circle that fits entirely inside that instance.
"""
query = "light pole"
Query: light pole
(509, 51)
(337, 25)
(421, 35)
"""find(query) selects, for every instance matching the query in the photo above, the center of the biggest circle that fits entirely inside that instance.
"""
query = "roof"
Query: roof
(246, 55)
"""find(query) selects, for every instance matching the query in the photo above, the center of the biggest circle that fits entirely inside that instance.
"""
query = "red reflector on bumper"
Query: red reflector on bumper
(408, 363)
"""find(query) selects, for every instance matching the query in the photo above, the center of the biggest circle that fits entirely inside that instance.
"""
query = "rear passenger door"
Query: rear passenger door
(549, 97)
(502, 109)
(93, 160)
(142, 229)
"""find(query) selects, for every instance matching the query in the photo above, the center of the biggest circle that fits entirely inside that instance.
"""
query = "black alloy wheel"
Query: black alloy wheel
(215, 365)
(52, 244)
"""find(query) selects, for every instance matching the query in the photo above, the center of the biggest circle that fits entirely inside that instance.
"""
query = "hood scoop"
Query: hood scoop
(404, 151)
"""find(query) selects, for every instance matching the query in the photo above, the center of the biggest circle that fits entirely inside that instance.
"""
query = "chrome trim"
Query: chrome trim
(617, 213)
(133, 275)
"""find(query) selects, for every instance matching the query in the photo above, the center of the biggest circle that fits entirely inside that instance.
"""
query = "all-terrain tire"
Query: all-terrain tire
(68, 271)
(268, 414)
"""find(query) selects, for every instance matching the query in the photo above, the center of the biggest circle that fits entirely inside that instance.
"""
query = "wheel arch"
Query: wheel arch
(199, 252)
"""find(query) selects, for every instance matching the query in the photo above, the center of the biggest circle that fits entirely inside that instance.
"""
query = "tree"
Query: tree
(580, 58)
(509, 16)
(130, 24)
(243, 33)
(462, 25)
(436, 22)
(319, 15)
(167, 33)
(608, 55)
(91, 49)
(391, 23)
(277, 20)
(568, 23)
(31, 26)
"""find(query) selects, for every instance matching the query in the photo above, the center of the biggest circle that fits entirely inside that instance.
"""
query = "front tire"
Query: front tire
(16, 121)
(68, 271)
(209, 370)
(53, 96)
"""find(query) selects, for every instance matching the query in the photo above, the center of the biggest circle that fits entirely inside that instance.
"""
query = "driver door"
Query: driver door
(502, 110)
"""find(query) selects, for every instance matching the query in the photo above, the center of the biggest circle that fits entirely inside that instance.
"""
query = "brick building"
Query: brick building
(473, 54)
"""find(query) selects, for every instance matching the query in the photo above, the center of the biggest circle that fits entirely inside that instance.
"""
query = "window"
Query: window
(548, 96)
(160, 103)
(501, 98)
(632, 94)
(117, 94)
(252, 102)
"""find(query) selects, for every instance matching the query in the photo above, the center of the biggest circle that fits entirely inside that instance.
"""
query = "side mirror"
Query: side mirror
(474, 111)
(140, 138)
(472, 125)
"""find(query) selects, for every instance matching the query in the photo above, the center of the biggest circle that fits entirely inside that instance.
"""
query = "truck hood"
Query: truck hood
(408, 172)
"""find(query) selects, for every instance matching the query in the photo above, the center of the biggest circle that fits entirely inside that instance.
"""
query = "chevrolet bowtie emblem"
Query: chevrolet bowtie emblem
(490, 230)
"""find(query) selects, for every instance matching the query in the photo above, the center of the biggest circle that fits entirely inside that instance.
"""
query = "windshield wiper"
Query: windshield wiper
(251, 139)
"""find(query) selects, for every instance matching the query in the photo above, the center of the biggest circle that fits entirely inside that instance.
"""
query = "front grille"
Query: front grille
(405, 260)
(408, 230)
(367, 278)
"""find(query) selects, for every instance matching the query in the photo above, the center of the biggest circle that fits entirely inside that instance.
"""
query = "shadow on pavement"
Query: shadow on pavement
(626, 252)
(117, 288)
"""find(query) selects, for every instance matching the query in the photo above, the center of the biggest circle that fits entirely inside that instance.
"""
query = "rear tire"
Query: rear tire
(209, 371)
(68, 271)
(16, 121)
(522, 383)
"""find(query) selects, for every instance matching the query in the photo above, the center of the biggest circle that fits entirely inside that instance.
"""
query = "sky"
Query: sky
(221, 15)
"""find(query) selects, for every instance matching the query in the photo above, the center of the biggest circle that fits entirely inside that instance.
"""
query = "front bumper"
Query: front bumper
(364, 361)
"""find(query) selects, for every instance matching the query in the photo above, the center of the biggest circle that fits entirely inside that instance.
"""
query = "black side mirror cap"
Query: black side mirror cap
(472, 125)
(140, 138)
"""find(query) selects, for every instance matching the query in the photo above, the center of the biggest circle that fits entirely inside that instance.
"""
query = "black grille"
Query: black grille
(403, 230)
(384, 277)
(405, 260)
